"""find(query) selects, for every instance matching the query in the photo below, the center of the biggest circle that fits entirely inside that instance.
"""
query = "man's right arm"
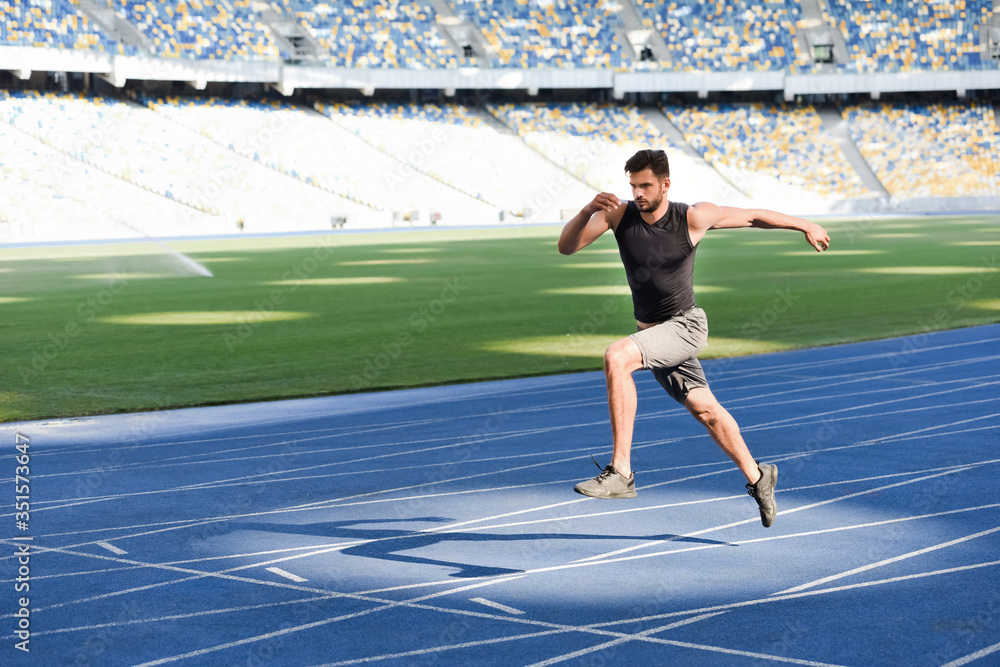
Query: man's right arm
(597, 217)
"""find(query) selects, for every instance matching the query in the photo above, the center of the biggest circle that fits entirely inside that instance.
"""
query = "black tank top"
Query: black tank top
(659, 262)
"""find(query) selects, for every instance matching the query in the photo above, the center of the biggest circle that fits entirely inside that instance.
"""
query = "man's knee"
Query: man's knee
(701, 403)
(622, 356)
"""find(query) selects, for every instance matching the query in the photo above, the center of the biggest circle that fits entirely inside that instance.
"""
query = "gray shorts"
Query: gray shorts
(670, 350)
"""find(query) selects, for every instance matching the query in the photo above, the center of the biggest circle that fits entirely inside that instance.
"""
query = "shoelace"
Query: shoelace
(605, 472)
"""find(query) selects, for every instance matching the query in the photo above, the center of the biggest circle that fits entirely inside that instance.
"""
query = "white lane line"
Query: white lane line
(497, 605)
(336, 431)
(339, 546)
(800, 508)
(809, 365)
(621, 640)
(447, 647)
(178, 617)
(180, 525)
(145, 464)
(867, 405)
(982, 653)
(598, 628)
(345, 545)
(820, 381)
(376, 457)
(684, 503)
(354, 430)
(415, 603)
(326, 621)
(992, 427)
(887, 561)
(727, 651)
(799, 595)
(367, 496)
(453, 526)
(879, 413)
(765, 425)
(216, 484)
(112, 548)
(828, 383)
(184, 525)
(772, 538)
(367, 499)
(287, 575)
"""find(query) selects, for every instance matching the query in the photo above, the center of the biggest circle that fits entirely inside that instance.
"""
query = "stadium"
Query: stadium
(294, 374)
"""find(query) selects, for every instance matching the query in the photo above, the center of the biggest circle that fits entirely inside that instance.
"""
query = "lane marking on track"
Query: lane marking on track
(497, 605)
(287, 575)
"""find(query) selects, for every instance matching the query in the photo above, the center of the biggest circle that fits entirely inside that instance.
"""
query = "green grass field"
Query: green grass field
(123, 327)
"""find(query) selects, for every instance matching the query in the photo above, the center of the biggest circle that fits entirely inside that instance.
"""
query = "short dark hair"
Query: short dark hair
(649, 159)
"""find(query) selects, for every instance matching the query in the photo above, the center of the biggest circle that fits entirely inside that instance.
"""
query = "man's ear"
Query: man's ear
(666, 183)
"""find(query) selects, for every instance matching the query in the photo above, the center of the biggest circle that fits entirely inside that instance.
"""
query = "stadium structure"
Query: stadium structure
(217, 116)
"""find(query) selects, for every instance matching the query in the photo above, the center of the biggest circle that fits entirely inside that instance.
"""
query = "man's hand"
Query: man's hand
(605, 201)
(587, 225)
(817, 237)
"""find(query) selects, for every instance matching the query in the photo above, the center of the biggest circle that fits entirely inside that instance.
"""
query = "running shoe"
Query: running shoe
(763, 492)
(609, 484)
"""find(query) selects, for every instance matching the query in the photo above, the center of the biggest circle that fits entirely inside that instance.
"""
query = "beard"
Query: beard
(649, 205)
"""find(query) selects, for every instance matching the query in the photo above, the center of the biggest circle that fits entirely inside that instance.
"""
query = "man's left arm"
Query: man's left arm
(704, 216)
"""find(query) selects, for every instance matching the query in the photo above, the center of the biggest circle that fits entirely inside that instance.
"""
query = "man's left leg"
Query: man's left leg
(761, 479)
(701, 402)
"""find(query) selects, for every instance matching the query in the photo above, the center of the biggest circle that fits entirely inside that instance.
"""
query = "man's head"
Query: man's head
(649, 176)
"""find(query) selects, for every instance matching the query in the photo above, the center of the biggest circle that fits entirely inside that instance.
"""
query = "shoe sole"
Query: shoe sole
(628, 494)
(774, 477)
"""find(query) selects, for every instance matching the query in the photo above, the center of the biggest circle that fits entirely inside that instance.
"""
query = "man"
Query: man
(657, 240)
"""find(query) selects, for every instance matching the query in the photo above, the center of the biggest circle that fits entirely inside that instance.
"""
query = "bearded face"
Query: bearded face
(648, 191)
(649, 202)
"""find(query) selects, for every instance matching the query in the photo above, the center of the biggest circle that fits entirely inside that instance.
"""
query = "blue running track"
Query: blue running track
(439, 526)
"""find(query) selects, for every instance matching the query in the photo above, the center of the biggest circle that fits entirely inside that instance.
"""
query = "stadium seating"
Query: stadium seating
(209, 162)
(551, 34)
(935, 150)
(52, 24)
(455, 146)
(151, 152)
(320, 155)
(384, 33)
(906, 35)
(587, 140)
(593, 141)
(714, 35)
(725, 35)
(777, 152)
(46, 194)
(208, 29)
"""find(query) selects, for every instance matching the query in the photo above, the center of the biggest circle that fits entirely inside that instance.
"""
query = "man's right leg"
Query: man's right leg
(621, 359)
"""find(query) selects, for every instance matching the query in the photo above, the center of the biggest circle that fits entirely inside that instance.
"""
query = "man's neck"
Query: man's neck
(654, 215)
